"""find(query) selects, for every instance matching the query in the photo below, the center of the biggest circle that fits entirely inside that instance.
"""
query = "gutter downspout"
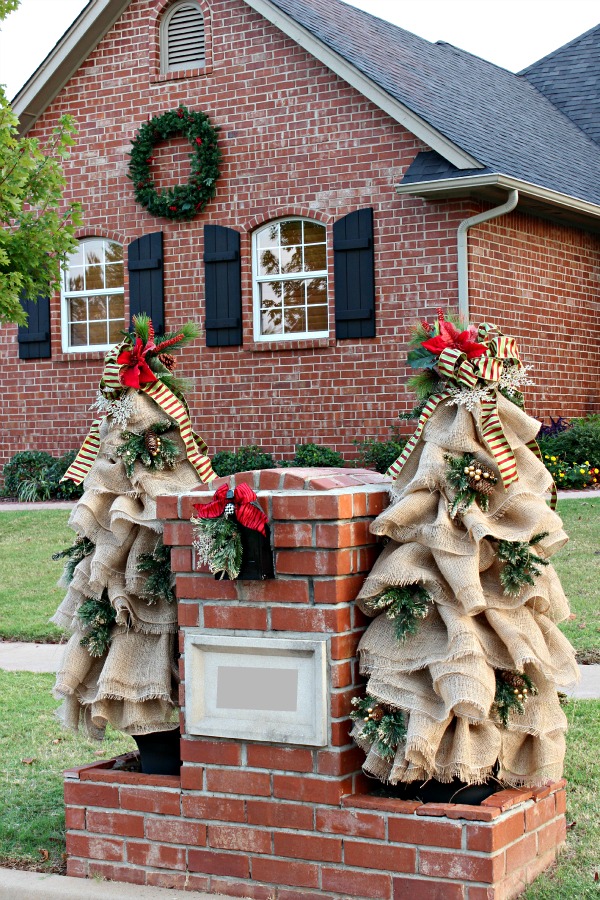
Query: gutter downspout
(463, 259)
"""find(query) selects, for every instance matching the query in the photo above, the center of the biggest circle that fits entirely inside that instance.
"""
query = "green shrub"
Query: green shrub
(34, 475)
(571, 475)
(579, 443)
(379, 455)
(245, 459)
(315, 455)
(24, 466)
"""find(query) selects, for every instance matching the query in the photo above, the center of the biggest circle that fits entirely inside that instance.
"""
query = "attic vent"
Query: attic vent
(183, 38)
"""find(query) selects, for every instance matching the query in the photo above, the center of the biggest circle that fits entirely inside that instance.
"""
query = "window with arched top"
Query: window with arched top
(93, 298)
(289, 262)
(182, 38)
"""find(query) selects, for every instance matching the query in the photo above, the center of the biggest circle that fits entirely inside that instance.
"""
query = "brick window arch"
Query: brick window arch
(93, 296)
(182, 37)
(289, 275)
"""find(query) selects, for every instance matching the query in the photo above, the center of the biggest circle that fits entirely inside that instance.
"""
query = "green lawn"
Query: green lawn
(34, 751)
(28, 576)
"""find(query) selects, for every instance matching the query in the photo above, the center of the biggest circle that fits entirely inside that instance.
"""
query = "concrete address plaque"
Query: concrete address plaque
(256, 688)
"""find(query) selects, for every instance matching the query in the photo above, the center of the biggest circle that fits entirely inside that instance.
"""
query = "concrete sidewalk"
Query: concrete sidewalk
(18, 885)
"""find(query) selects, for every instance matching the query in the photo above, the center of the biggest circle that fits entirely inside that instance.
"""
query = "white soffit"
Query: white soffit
(65, 58)
(338, 64)
(458, 186)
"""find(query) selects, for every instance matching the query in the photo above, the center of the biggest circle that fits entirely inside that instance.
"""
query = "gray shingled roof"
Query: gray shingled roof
(498, 117)
(570, 78)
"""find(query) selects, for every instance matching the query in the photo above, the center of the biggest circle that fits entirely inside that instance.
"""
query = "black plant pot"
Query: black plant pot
(455, 791)
(159, 752)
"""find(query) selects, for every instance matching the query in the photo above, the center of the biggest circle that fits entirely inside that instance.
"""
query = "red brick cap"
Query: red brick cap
(299, 479)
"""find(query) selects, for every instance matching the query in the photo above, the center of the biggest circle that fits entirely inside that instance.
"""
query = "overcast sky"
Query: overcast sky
(510, 33)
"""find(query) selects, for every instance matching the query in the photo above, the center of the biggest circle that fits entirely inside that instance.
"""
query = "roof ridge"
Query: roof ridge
(558, 50)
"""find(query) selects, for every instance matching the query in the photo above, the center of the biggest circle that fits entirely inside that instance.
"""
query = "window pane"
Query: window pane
(114, 276)
(76, 258)
(293, 293)
(114, 331)
(313, 233)
(269, 237)
(270, 294)
(268, 263)
(94, 278)
(271, 322)
(114, 252)
(316, 290)
(291, 259)
(314, 258)
(74, 280)
(98, 332)
(117, 308)
(98, 309)
(94, 252)
(78, 309)
(78, 335)
(295, 319)
(317, 318)
(291, 232)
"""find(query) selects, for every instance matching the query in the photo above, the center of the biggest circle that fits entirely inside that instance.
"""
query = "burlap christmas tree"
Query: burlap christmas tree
(464, 658)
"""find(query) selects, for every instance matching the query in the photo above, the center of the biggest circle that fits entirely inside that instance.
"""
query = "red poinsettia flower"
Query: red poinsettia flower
(450, 336)
(136, 371)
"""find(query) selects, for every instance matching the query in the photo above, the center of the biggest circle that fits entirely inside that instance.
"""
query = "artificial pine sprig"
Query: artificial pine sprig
(471, 479)
(98, 616)
(404, 606)
(381, 724)
(137, 446)
(512, 691)
(74, 554)
(218, 545)
(160, 581)
(520, 565)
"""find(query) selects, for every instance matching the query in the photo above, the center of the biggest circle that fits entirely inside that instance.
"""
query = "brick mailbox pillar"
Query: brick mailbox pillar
(272, 803)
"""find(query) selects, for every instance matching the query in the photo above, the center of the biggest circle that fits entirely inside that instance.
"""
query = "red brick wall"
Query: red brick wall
(296, 139)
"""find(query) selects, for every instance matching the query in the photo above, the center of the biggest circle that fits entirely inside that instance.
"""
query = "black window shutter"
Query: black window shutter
(354, 272)
(34, 338)
(145, 266)
(223, 286)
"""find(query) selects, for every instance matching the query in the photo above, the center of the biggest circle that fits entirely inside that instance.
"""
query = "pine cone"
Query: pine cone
(513, 679)
(482, 479)
(152, 442)
(377, 714)
(168, 361)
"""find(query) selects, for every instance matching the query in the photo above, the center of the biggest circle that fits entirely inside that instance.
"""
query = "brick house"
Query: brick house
(354, 167)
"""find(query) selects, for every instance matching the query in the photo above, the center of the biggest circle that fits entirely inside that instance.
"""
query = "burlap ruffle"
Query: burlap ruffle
(443, 677)
(134, 686)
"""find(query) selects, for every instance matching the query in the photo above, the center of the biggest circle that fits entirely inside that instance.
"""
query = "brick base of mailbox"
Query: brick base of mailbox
(274, 822)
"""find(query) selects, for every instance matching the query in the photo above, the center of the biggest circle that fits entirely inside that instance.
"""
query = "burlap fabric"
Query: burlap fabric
(134, 685)
(443, 677)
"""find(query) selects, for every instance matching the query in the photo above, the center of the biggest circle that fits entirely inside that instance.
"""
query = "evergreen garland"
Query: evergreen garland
(472, 480)
(74, 554)
(160, 582)
(520, 565)
(381, 724)
(184, 201)
(153, 452)
(98, 616)
(404, 606)
(218, 544)
(512, 691)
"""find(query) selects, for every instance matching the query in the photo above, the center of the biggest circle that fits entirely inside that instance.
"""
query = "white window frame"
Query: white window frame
(66, 296)
(293, 276)
(165, 69)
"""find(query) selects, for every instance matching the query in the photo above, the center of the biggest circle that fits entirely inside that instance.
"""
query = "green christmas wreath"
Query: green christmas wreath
(184, 201)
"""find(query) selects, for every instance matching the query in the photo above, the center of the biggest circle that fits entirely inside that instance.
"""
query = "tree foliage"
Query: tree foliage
(37, 229)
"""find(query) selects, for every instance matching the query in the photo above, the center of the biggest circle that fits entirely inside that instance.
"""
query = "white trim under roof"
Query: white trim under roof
(353, 76)
(65, 59)
(458, 185)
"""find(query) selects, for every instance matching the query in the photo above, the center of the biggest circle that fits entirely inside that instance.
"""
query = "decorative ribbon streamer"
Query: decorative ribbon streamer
(246, 512)
(168, 402)
(454, 365)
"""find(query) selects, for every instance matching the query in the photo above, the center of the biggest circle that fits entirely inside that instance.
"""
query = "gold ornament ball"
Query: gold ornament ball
(516, 691)
(466, 470)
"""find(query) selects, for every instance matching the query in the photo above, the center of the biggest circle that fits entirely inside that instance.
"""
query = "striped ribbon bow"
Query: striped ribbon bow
(454, 366)
(165, 398)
